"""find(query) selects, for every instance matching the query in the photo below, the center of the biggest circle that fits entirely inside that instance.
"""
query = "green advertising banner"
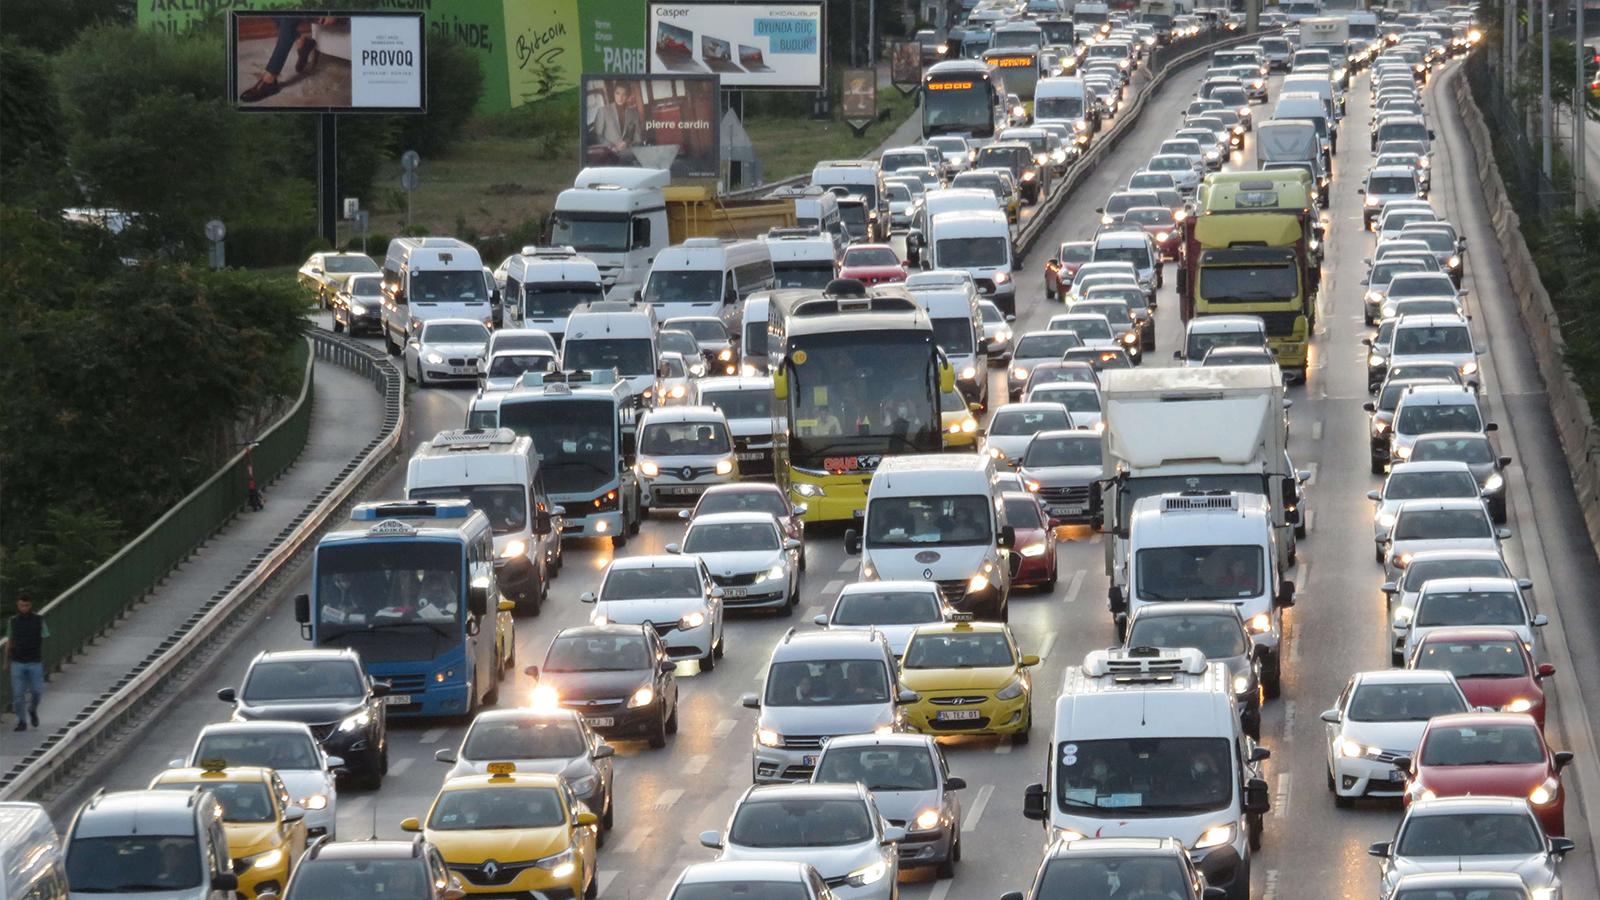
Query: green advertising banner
(528, 49)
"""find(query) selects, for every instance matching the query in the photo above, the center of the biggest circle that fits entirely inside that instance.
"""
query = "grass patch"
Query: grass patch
(791, 145)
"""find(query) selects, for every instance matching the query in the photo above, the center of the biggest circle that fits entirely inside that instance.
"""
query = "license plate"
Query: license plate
(858, 513)
(1065, 510)
(735, 592)
(600, 721)
(748, 456)
(956, 714)
(397, 700)
(808, 760)
(458, 370)
(671, 491)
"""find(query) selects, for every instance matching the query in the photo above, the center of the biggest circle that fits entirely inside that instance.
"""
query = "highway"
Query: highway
(1312, 850)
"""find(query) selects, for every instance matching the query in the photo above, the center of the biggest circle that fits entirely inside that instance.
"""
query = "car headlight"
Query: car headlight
(692, 620)
(1469, 368)
(725, 354)
(1403, 451)
(1386, 520)
(724, 466)
(434, 358)
(315, 802)
(1372, 201)
(353, 722)
(1011, 691)
(869, 874)
(1494, 482)
(1519, 705)
(649, 469)
(267, 860)
(776, 572)
(954, 429)
(1002, 277)
(927, 820)
(1403, 614)
(559, 864)
(1376, 296)
(766, 737)
(359, 310)
(1215, 836)
(586, 784)
(1240, 684)
(1031, 485)
(977, 583)
(1402, 561)
(1260, 623)
(677, 392)
(1033, 551)
(1453, 262)
(545, 696)
(646, 695)
(1161, 236)
(1374, 360)
(969, 373)
(969, 425)
(514, 549)
(1545, 794)
(1067, 835)
(806, 489)
(1029, 175)
(1426, 162)
(997, 453)
(1211, 154)
(1105, 220)
(1019, 374)
(698, 370)
(1004, 334)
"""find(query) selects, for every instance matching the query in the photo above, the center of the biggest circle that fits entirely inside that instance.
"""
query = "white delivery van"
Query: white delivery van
(951, 301)
(499, 473)
(614, 335)
(860, 178)
(31, 864)
(935, 517)
(947, 200)
(1214, 546)
(1205, 332)
(1147, 743)
(816, 208)
(616, 216)
(432, 278)
(753, 334)
(1065, 101)
(707, 277)
(545, 284)
(801, 258)
(1309, 106)
(980, 243)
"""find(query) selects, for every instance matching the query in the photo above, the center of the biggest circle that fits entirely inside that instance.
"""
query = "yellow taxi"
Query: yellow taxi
(511, 832)
(960, 427)
(971, 679)
(266, 832)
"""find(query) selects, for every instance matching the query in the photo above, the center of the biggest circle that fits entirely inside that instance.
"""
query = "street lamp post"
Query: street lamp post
(1546, 113)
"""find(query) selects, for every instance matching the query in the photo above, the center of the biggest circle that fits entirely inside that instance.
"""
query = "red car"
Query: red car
(1060, 269)
(754, 496)
(872, 264)
(1492, 666)
(1160, 224)
(1036, 540)
(1489, 754)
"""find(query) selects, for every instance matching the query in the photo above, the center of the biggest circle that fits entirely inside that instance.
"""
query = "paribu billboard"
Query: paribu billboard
(752, 46)
(528, 49)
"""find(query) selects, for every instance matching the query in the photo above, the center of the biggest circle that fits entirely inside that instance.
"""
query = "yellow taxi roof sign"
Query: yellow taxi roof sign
(961, 618)
(502, 769)
(213, 766)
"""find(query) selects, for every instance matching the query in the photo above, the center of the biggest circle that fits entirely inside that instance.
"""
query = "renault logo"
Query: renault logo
(687, 474)
(490, 868)
(927, 574)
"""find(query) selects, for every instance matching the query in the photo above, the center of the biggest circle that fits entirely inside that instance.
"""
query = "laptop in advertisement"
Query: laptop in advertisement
(718, 54)
(675, 48)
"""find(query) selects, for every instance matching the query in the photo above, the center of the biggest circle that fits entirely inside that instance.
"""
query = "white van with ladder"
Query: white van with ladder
(1147, 743)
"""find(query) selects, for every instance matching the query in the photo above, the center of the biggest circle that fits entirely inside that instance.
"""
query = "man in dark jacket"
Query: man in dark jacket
(25, 634)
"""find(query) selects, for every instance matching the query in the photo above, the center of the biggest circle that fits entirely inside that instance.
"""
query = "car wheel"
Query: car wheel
(1254, 829)
(947, 869)
(511, 658)
(492, 696)
(1300, 528)
(1021, 737)
(708, 662)
(1272, 676)
(619, 540)
(1050, 583)
(672, 719)
(609, 817)
(338, 326)
(388, 341)
(658, 736)
(721, 645)
(592, 889)
(802, 559)
(1377, 466)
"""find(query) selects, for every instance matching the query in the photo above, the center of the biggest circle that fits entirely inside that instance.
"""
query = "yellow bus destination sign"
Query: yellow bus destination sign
(949, 85)
(1011, 62)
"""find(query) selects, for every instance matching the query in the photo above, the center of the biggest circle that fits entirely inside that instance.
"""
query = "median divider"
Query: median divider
(118, 712)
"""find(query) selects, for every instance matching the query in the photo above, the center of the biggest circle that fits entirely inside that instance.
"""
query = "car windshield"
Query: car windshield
(1425, 340)
(796, 275)
(1217, 636)
(365, 286)
(343, 265)
(1115, 312)
(512, 365)
(281, 751)
(428, 287)
(870, 256)
(1419, 485)
(1170, 164)
(133, 864)
(731, 537)
(1058, 107)
(870, 607)
(1440, 241)
(684, 286)
(879, 768)
(1442, 524)
(992, 314)
(827, 682)
(709, 331)
(1435, 608)
(744, 500)
(1121, 202)
(1099, 358)
(1473, 659)
(1046, 346)
(959, 650)
(1144, 776)
(1076, 252)
(506, 505)
(1201, 342)
(1404, 702)
(308, 679)
(1093, 329)
(910, 521)
(1469, 834)
(1384, 272)
(1147, 216)
(1470, 450)
(749, 890)
(454, 333)
(497, 808)
(755, 338)
(954, 336)
(1052, 452)
(672, 366)
(598, 653)
(652, 583)
(898, 193)
(1483, 745)
(241, 801)
(1422, 419)
(627, 356)
(801, 822)
(1113, 878)
(1025, 513)
(1463, 893)
(540, 738)
(1422, 286)
(557, 301)
(1391, 184)
(589, 234)
(972, 252)
(684, 439)
(1209, 572)
(1016, 423)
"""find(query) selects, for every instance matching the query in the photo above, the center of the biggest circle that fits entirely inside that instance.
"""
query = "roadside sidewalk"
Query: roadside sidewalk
(346, 413)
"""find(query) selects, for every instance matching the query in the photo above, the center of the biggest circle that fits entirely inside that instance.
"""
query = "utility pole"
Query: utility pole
(1546, 112)
(1580, 174)
(872, 39)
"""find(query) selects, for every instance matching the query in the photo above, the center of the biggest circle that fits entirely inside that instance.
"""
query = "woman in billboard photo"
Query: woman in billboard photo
(289, 39)
(618, 125)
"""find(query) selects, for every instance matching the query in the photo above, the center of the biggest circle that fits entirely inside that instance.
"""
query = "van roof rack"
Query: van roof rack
(474, 438)
(1144, 665)
(1190, 501)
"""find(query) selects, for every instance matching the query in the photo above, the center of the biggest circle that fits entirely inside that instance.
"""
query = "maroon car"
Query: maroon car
(750, 496)
(872, 264)
(1489, 755)
(1036, 540)
(1060, 268)
(1492, 666)
(1160, 224)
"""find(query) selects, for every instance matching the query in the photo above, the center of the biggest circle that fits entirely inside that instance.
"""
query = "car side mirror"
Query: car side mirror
(1374, 496)
(1380, 850)
(410, 824)
(1525, 584)
(1214, 893)
(1563, 758)
(1545, 670)
(294, 813)
(1008, 537)
(852, 542)
(1390, 587)
(1331, 716)
(711, 840)
(445, 755)
(532, 672)
(506, 605)
(718, 592)
(792, 544)
(478, 598)
(1503, 462)
(1503, 533)
(604, 751)
(1257, 800)
(1369, 406)
(673, 548)
(228, 695)
(1491, 426)
(1258, 754)
(1561, 846)
(1029, 660)
(586, 597)
(1285, 597)
(541, 523)
(1034, 802)
(750, 701)
(907, 697)
(667, 667)
(227, 881)
(1540, 620)
(1404, 764)
(820, 621)
(302, 609)
(894, 834)
(1366, 341)
(800, 509)
(955, 783)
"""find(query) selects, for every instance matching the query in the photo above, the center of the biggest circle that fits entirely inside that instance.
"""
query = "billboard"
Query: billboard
(655, 121)
(858, 101)
(905, 64)
(750, 45)
(298, 61)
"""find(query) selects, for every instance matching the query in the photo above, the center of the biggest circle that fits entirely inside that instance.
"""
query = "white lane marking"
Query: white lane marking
(1280, 802)
(1316, 431)
(846, 566)
(1075, 586)
(432, 736)
(400, 766)
(665, 799)
(1269, 890)
(812, 612)
(696, 764)
(603, 879)
(1288, 720)
(1004, 747)
(1311, 519)
(1311, 468)
(970, 824)
(833, 587)
(634, 841)
(723, 729)
(940, 891)
(1047, 646)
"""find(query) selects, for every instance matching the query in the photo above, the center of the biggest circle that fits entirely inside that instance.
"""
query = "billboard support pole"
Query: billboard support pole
(328, 176)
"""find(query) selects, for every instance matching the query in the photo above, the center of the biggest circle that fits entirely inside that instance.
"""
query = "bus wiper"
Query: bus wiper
(373, 627)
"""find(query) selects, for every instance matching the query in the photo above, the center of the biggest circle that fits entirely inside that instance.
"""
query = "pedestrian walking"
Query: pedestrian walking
(24, 657)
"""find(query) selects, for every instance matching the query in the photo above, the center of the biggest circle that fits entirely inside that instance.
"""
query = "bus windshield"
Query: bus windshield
(964, 105)
(389, 599)
(576, 440)
(1248, 284)
(855, 393)
(589, 233)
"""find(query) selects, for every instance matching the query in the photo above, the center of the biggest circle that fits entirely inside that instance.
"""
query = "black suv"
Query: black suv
(618, 677)
(404, 870)
(330, 692)
(1024, 165)
(1157, 867)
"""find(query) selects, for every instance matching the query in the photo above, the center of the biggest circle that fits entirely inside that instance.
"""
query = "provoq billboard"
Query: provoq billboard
(655, 121)
(299, 61)
(750, 45)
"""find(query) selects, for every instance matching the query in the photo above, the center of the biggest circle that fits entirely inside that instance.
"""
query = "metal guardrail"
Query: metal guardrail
(122, 705)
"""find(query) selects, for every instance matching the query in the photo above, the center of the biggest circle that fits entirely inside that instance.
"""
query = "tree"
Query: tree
(33, 171)
(52, 25)
(455, 82)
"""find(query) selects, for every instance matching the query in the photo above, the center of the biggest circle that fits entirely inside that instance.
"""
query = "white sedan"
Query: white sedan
(445, 350)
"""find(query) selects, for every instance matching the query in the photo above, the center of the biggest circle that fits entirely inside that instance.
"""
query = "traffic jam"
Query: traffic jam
(770, 567)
